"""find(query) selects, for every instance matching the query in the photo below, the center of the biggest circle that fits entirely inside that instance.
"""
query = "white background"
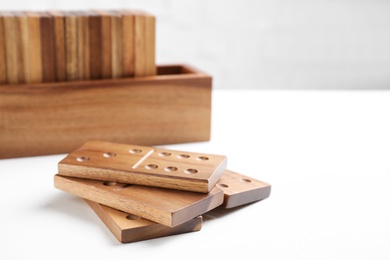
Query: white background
(291, 44)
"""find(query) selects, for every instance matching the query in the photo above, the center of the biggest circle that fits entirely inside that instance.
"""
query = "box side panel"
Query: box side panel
(52, 120)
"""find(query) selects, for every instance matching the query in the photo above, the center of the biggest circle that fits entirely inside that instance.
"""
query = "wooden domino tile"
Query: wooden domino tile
(95, 47)
(117, 40)
(129, 228)
(21, 42)
(11, 53)
(144, 44)
(144, 165)
(47, 47)
(240, 189)
(71, 46)
(83, 45)
(128, 43)
(60, 29)
(164, 206)
(3, 61)
(34, 47)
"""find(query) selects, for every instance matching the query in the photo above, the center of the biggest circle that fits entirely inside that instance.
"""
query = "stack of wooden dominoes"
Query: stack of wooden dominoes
(58, 46)
(143, 192)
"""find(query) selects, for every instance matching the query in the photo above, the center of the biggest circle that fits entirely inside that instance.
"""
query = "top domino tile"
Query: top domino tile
(144, 165)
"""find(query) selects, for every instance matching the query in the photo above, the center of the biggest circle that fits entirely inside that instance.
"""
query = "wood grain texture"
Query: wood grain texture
(83, 45)
(34, 47)
(144, 44)
(106, 51)
(240, 189)
(3, 62)
(71, 46)
(139, 44)
(47, 47)
(144, 165)
(164, 206)
(95, 45)
(128, 43)
(12, 55)
(128, 228)
(39, 119)
(116, 44)
(59, 44)
(150, 45)
(21, 42)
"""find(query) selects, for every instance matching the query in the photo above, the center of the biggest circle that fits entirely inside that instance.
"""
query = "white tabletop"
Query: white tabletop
(325, 153)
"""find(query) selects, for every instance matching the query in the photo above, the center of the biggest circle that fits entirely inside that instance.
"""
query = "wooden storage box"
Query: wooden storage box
(53, 118)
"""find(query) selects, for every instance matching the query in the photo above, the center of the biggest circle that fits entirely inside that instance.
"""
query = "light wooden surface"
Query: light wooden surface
(164, 206)
(242, 189)
(129, 228)
(52, 118)
(144, 165)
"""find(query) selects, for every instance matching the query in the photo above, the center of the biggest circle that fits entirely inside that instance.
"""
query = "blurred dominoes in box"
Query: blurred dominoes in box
(56, 46)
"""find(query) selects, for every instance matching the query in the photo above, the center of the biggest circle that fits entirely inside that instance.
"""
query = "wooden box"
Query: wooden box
(53, 118)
